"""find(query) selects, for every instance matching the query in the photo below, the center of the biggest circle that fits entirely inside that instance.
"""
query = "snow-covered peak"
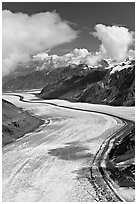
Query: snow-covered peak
(122, 65)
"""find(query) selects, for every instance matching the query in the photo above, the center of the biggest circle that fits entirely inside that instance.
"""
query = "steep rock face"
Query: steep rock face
(97, 86)
(116, 89)
(73, 86)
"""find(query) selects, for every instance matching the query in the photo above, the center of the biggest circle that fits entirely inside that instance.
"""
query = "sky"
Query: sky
(83, 16)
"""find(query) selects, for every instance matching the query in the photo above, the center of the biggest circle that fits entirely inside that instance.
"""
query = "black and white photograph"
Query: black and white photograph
(68, 101)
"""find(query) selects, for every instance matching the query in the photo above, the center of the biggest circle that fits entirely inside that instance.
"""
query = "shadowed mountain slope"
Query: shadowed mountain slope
(96, 86)
(16, 122)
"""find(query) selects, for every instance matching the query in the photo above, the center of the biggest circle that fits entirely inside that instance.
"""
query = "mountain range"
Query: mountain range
(109, 82)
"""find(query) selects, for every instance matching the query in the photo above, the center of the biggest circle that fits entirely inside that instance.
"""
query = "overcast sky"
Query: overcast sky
(83, 16)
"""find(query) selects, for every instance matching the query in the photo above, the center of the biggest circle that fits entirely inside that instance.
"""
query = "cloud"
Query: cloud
(110, 48)
(80, 52)
(92, 60)
(116, 40)
(131, 53)
(77, 56)
(24, 35)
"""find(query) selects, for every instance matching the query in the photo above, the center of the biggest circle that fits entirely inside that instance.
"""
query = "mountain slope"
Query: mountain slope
(98, 86)
(37, 74)
(16, 122)
(108, 83)
(72, 86)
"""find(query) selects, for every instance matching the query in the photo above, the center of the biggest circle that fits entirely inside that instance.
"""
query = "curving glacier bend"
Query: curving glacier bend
(52, 163)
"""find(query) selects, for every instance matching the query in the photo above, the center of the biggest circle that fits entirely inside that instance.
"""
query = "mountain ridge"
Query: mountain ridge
(109, 83)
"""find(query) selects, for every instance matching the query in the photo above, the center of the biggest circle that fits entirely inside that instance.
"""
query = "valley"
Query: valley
(68, 101)
(53, 162)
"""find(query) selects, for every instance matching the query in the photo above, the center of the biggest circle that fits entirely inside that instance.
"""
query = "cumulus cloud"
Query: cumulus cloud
(80, 52)
(116, 41)
(115, 45)
(93, 60)
(76, 57)
(24, 35)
